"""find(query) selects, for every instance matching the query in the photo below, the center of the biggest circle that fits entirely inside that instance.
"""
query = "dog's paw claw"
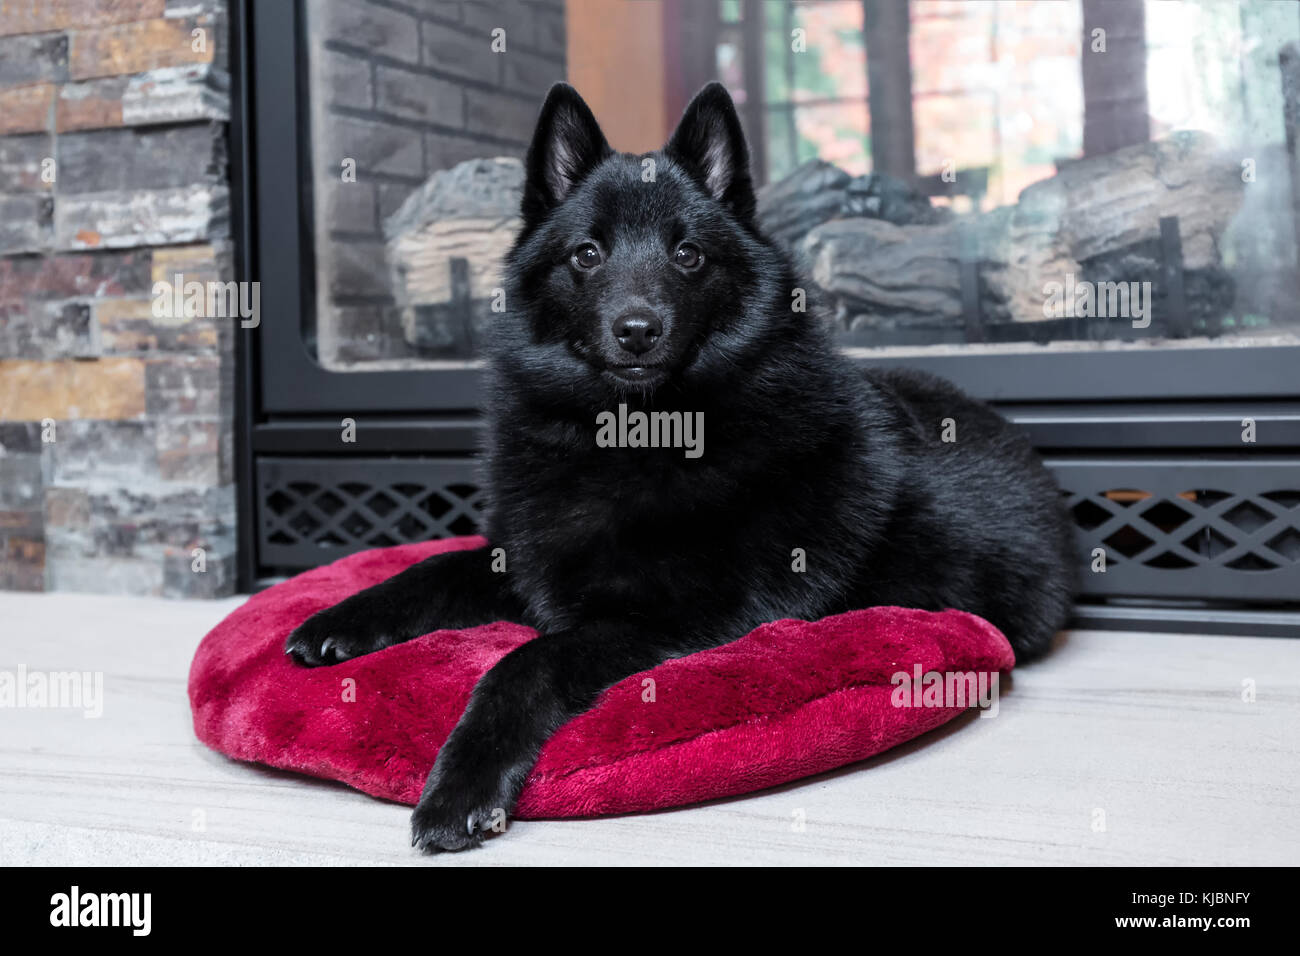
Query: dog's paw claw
(437, 829)
(319, 641)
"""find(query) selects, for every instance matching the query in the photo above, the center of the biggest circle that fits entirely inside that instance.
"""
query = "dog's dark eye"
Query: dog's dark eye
(587, 256)
(688, 256)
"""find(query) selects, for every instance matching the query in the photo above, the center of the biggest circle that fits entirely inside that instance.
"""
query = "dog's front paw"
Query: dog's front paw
(450, 818)
(332, 636)
(445, 827)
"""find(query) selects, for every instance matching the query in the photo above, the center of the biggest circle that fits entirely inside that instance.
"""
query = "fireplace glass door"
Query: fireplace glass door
(953, 177)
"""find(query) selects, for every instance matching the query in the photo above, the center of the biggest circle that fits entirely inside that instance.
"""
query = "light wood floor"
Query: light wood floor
(1149, 729)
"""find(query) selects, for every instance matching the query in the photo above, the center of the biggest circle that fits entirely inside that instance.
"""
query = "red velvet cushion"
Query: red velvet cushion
(790, 699)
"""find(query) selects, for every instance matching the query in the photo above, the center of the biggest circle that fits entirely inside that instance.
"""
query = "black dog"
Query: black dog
(643, 281)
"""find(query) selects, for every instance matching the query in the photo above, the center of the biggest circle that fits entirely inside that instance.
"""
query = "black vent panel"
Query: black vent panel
(312, 511)
(1175, 528)
(1179, 528)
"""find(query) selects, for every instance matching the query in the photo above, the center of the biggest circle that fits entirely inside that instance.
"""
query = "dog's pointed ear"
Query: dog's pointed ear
(567, 145)
(709, 140)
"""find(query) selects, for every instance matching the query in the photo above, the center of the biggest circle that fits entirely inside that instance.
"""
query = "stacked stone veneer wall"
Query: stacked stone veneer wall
(115, 426)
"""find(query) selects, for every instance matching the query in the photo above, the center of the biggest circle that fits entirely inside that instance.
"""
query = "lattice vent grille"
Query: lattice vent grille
(1196, 527)
(1214, 529)
(1170, 528)
(312, 511)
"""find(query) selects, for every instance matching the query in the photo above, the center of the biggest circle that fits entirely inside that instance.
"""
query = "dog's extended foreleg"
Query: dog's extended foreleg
(447, 591)
(530, 693)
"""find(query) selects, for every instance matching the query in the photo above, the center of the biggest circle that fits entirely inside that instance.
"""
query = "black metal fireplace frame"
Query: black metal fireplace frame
(1079, 408)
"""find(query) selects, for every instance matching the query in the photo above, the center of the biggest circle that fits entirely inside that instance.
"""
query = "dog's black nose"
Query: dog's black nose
(637, 332)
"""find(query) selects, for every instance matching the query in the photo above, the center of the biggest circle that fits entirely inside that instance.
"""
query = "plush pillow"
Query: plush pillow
(790, 699)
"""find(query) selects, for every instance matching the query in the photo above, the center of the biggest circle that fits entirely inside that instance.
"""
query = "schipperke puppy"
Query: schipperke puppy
(779, 481)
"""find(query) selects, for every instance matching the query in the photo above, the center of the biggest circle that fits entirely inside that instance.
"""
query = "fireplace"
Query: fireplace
(1034, 201)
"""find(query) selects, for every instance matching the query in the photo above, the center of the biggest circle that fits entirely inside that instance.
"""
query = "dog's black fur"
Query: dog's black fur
(624, 557)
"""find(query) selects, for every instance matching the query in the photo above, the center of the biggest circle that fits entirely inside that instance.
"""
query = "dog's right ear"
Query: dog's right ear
(567, 145)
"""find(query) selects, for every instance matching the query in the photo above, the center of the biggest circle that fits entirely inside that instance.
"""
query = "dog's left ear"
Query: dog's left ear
(710, 141)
